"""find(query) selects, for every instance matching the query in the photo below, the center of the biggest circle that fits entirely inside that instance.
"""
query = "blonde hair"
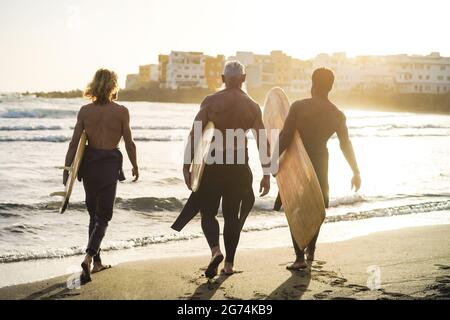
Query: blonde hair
(103, 87)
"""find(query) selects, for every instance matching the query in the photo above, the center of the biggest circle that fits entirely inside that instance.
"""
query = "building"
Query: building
(396, 73)
(148, 72)
(213, 71)
(132, 82)
(275, 69)
(185, 70)
(182, 69)
(147, 77)
(421, 74)
(163, 60)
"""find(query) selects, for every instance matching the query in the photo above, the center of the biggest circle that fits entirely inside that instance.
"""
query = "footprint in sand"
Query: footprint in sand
(442, 266)
(259, 296)
(322, 295)
(443, 279)
(320, 263)
(357, 287)
(338, 282)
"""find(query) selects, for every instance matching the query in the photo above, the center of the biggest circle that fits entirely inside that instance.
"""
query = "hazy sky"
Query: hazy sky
(58, 44)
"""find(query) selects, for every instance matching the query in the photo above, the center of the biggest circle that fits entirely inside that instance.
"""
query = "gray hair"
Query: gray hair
(233, 69)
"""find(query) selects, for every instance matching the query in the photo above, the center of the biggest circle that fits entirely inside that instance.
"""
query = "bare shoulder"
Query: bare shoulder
(301, 104)
(340, 114)
(124, 112)
(84, 109)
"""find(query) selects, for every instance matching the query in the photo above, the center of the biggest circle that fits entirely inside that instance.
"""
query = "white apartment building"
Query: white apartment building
(421, 74)
(185, 69)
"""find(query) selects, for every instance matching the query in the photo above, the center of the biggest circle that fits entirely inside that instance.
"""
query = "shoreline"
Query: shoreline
(413, 263)
(370, 101)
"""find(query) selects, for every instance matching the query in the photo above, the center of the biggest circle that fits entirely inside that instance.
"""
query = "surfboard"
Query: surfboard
(201, 151)
(73, 172)
(297, 181)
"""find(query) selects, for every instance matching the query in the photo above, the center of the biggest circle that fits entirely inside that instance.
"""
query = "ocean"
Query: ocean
(403, 158)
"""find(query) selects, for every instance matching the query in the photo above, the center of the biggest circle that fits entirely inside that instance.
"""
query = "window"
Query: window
(442, 67)
(428, 77)
(448, 78)
(420, 76)
(440, 78)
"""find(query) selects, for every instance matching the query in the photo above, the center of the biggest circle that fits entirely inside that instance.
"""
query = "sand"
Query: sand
(412, 263)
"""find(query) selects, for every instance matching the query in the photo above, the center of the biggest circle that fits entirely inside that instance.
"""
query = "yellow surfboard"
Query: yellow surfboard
(200, 153)
(297, 181)
(73, 172)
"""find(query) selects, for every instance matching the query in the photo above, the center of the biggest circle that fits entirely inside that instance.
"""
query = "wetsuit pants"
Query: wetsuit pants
(233, 185)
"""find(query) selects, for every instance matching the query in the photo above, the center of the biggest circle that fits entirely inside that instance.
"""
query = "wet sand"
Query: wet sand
(412, 263)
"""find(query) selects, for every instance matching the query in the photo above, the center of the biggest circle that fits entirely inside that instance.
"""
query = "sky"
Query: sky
(58, 44)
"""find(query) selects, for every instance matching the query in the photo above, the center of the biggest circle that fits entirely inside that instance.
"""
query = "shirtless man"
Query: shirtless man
(317, 119)
(105, 123)
(230, 110)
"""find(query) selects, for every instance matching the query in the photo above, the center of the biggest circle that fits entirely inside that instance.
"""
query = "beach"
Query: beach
(403, 160)
(409, 263)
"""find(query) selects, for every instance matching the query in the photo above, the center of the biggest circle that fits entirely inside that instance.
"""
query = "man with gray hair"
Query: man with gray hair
(231, 110)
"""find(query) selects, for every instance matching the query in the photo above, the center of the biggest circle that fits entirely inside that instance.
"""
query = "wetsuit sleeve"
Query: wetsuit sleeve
(346, 144)
(289, 128)
(200, 119)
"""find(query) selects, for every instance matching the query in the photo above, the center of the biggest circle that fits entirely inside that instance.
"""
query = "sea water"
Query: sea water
(403, 158)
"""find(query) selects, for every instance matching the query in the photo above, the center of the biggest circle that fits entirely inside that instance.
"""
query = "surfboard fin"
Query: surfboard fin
(65, 168)
(58, 194)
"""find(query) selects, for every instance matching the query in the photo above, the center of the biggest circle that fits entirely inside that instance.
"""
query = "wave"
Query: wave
(111, 246)
(399, 126)
(158, 239)
(143, 204)
(38, 113)
(160, 127)
(31, 128)
(59, 138)
(36, 139)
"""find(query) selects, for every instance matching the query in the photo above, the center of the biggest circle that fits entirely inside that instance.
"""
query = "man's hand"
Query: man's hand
(135, 173)
(264, 186)
(65, 176)
(187, 177)
(356, 182)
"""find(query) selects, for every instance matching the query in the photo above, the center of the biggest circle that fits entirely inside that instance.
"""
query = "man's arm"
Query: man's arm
(70, 155)
(130, 146)
(259, 132)
(349, 154)
(200, 118)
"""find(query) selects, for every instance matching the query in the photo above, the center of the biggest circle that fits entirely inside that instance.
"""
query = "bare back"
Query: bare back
(103, 124)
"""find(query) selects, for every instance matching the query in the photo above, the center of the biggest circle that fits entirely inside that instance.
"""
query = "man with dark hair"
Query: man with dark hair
(231, 110)
(316, 119)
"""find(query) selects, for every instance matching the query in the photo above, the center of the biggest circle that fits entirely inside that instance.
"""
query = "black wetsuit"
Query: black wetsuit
(231, 183)
(100, 170)
(316, 121)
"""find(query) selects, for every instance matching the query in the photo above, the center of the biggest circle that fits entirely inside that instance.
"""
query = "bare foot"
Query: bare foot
(227, 269)
(211, 270)
(86, 266)
(297, 265)
(310, 254)
(98, 266)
